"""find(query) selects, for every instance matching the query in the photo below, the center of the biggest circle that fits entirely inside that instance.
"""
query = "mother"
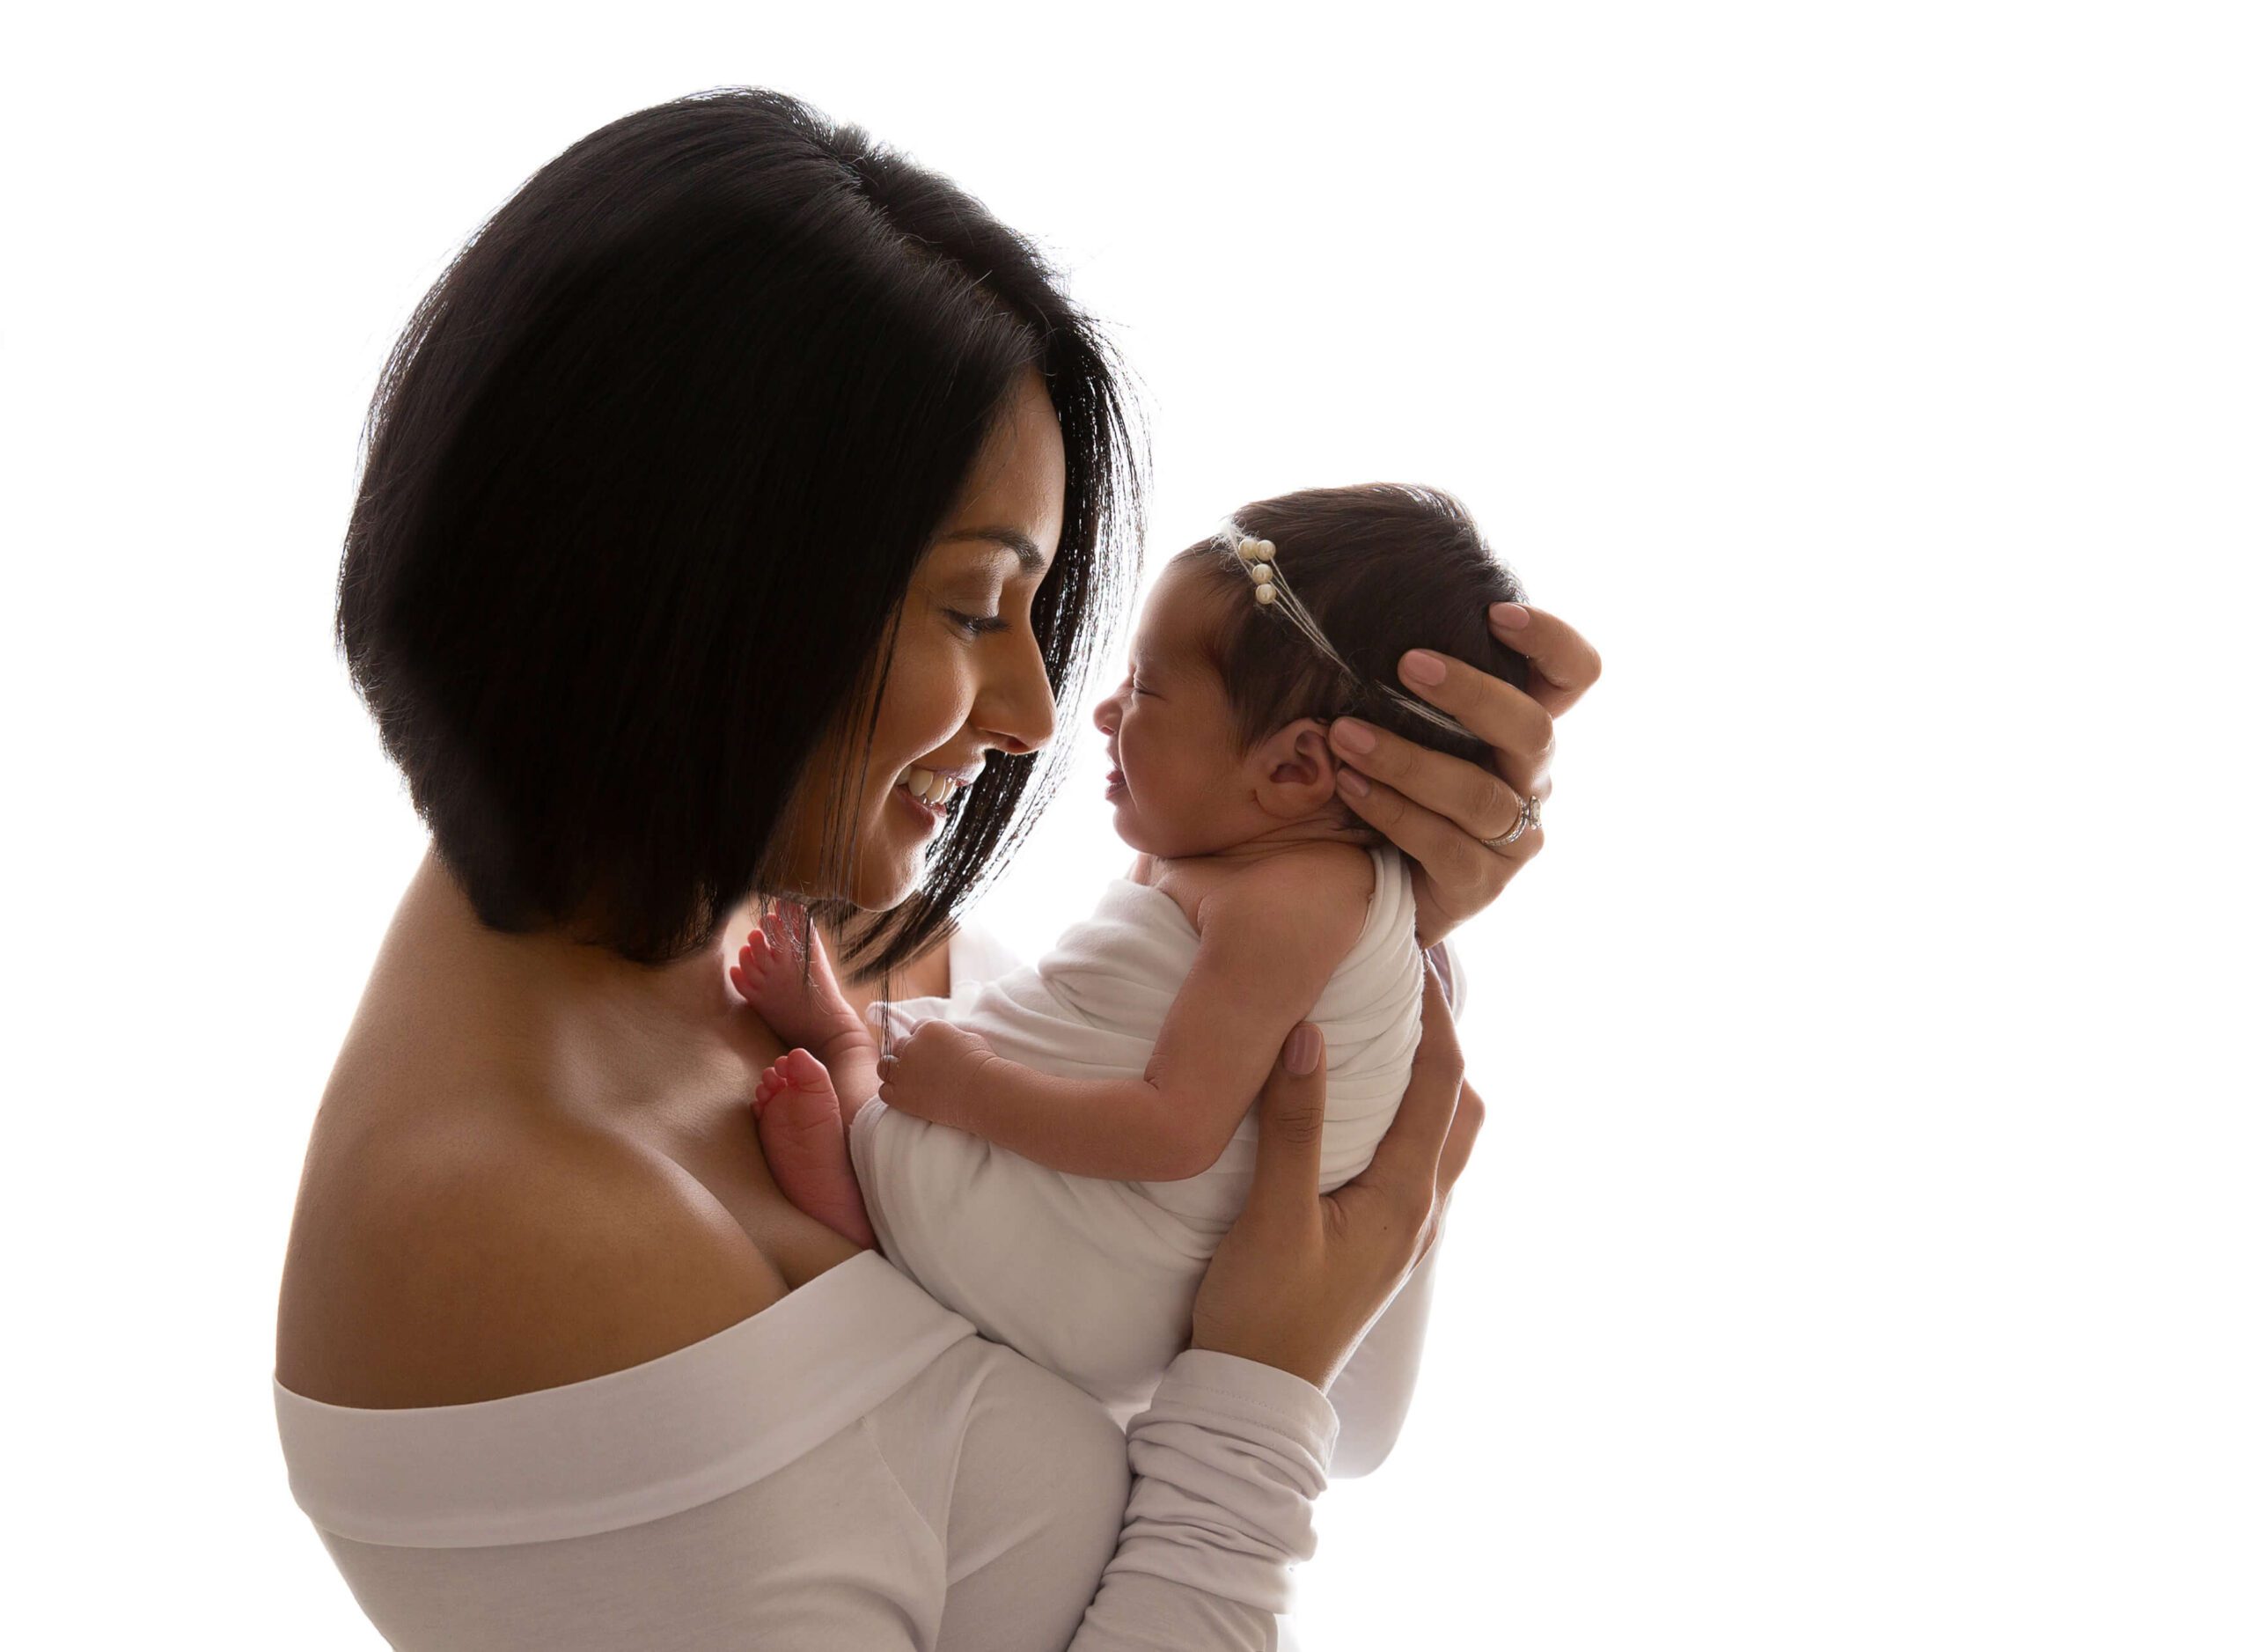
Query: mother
(734, 468)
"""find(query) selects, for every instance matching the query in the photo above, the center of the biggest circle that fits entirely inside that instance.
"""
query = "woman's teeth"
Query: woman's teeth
(933, 789)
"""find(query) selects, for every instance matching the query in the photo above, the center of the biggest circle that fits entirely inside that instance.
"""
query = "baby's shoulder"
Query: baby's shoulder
(1312, 890)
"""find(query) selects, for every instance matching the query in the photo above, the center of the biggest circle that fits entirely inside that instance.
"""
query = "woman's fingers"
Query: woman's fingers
(1407, 1162)
(1462, 1136)
(1564, 664)
(1455, 1153)
(1287, 1168)
(1453, 876)
(1522, 732)
(1474, 797)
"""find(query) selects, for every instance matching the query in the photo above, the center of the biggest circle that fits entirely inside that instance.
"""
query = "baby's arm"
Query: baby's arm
(1270, 939)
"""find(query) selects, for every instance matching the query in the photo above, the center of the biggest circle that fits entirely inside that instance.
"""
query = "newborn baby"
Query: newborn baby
(1056, 1156)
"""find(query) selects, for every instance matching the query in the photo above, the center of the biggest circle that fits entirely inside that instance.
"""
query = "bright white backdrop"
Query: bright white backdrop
(1857, 1254)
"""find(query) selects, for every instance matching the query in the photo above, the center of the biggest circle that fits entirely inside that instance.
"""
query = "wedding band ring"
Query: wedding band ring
(1528, 814)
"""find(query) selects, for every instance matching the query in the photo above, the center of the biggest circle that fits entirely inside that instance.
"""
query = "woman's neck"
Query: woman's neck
(582, 1024)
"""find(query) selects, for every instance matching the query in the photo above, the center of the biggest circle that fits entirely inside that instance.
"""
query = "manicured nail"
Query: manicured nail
(1301, 1048)
(1357, 737)
(1352, 782)
(1511, 616)
(1419, 665)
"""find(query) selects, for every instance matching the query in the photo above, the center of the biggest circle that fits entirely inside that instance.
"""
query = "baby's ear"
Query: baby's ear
(1294, 774)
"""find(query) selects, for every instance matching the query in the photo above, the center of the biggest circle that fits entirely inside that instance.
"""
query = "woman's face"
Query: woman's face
(967, 674)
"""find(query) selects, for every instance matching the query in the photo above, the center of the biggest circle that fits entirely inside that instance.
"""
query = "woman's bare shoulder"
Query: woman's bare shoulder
(484, 1259)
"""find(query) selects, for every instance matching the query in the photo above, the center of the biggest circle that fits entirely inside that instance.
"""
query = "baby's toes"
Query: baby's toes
(793, 1116)
(802, 1069)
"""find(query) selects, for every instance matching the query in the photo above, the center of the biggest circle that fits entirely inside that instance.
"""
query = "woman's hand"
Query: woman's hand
(1302, 1273)
(1438, 808)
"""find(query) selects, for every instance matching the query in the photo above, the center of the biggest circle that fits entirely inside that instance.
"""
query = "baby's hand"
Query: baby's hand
(801, 1003)
(933, 1072)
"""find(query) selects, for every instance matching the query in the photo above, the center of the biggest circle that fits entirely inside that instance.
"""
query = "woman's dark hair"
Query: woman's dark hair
(646, 478)
(1382, 568)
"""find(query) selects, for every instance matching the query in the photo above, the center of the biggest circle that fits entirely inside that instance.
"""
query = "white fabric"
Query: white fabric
(851, 1468)
(1094, 1279)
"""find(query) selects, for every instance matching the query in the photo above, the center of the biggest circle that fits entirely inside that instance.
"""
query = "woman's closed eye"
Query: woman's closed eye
(978, 624)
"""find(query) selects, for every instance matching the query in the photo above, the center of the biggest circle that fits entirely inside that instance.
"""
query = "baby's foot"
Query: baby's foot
(802, 1132)
(801, 1003)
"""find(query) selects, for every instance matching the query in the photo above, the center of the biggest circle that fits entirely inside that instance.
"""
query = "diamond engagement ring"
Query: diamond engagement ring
(1528, 814)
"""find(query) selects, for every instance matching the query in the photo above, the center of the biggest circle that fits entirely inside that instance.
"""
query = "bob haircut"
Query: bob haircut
(645, 480)
(1383, 569)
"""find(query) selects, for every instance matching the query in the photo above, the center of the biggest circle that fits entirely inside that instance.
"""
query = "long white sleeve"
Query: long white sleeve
(851, 1467)
(1227, 1461)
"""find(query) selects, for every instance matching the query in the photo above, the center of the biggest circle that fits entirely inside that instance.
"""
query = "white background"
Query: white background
(1857, 1254)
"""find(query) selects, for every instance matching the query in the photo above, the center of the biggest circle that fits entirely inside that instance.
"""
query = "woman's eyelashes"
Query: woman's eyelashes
(978, 624)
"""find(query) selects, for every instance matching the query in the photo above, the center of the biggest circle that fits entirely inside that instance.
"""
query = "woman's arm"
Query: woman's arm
(1442, 809)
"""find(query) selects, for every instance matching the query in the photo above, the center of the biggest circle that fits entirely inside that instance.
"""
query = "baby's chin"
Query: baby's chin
(1135, 829)
(1168, 839)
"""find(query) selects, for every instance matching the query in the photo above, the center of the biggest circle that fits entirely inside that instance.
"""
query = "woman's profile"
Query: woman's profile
(735, 469)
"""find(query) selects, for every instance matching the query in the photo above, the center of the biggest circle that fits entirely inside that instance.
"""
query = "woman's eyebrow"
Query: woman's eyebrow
(1009, 539)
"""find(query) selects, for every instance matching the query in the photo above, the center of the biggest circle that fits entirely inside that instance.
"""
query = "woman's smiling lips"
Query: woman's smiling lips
(928, 791)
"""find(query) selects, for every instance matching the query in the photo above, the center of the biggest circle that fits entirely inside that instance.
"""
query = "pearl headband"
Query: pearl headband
(1270, 590)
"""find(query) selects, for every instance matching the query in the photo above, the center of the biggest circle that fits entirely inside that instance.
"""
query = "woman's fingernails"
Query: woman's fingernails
(1419, 665)
(1353, 782)
(1358, 737)
(1301, 1048)
(1511, 616)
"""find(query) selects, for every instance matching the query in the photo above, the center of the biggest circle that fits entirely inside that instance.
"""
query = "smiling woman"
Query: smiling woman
(737, 509)
(962, 674)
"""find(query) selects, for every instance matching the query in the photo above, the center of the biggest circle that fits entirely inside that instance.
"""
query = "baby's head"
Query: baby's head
(1218, 736)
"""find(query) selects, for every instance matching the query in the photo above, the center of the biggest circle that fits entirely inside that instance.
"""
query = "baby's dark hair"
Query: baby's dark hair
(1382, 568)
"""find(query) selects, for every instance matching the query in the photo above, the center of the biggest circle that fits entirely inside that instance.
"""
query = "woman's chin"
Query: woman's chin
(890, 875)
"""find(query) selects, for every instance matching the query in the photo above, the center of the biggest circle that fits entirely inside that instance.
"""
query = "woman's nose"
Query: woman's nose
(1018, 711)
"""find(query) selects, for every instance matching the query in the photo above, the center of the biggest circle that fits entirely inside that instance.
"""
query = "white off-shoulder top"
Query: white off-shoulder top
(853, 1467)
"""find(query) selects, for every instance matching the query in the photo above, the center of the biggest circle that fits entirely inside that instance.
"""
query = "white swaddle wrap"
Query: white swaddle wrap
(1094, 1279)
